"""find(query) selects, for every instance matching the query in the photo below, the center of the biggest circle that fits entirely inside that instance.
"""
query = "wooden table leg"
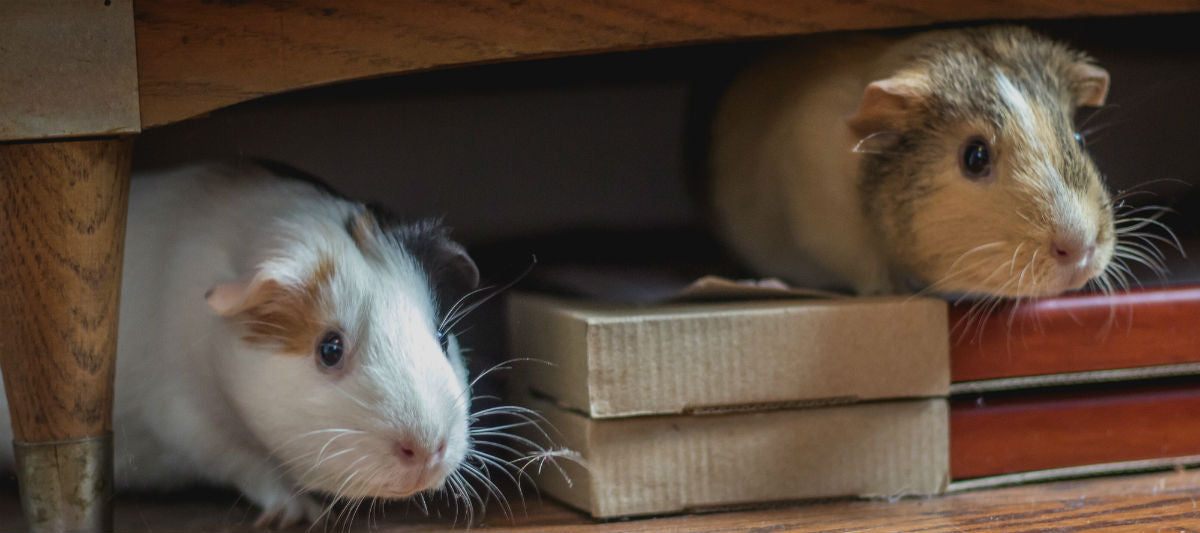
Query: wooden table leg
(62, 233)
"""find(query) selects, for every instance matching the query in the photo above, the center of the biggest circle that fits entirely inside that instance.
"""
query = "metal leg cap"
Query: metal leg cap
(66, 486)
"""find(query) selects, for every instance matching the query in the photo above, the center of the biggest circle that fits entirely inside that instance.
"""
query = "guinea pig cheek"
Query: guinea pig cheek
(962, 236)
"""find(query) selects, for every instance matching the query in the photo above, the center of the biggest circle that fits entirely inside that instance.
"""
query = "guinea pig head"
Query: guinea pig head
(972, 170)
(339, 368)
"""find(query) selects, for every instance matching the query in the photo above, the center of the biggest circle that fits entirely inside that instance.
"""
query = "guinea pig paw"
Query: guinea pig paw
(293, 511)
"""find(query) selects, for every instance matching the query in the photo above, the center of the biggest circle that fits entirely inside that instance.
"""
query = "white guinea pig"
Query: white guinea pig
(282, 340)
(945, 159)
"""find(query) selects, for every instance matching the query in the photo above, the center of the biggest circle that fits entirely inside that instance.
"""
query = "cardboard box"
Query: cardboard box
(613, 360)
(668, 464)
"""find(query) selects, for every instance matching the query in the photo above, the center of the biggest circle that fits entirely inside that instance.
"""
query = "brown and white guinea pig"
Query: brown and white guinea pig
(947, 160)
(284, 341)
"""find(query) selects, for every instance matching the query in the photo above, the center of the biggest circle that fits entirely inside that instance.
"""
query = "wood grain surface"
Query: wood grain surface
(1079, 333)
(62, 227)
(67, 68)
(991, 435)
(1148, 503)
(194, 57)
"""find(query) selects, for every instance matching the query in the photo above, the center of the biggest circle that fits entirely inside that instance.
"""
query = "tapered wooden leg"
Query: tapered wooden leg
(62, 229)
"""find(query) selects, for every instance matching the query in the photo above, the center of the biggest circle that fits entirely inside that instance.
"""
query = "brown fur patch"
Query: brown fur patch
(288, 319)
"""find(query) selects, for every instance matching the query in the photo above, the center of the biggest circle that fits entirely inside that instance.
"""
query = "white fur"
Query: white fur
(196, 404)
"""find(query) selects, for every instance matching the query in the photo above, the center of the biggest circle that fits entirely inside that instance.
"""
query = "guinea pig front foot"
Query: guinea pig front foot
(290, 511)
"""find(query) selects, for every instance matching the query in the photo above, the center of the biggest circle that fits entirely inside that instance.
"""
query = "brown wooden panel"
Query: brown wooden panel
(1078, 333)
(67, 68)
(62, 227)
(194, 57)
(1054, 430)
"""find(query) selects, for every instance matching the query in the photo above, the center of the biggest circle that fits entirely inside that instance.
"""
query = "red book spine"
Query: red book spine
(1010, 433)
(1077, 333)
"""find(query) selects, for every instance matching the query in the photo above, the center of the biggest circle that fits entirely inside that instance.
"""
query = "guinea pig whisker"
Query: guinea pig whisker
(337, 495)
(543, 456)
(1147, 247)
(503, 365)
(1000, 268)
(492, 490)
(1138, 189)
(450, 313)
(974, 250)
(522, 413)
(452, 319)
(1130, 210)
(322, 460)
(963, 325)
(1148, 237)
(468, 496)
(1012, 263)
(1138, 257)
(497, 430)
(1173, 241)
(493, 444)
(486, 459)
(989, 310)
(511, 437)
(1125, 273)
(352, 508)
(1137, 223)
(309, 434)
(1097, 112)
(459, 493)
(331, 440)
(1148, 253)
(952, 275)
(419, 498)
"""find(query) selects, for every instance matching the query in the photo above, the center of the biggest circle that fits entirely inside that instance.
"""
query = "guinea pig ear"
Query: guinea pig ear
(885, 105)
(448, 264)
(227, 299)
(445, 262)
(1089, 83)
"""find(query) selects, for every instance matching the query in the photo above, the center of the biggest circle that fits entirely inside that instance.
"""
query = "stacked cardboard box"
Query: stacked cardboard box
(687, 406)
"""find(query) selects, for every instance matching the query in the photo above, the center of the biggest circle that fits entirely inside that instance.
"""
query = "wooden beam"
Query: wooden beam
(195, 57)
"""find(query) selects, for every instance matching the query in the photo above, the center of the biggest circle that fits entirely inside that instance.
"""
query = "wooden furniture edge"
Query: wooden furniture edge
(194, 58)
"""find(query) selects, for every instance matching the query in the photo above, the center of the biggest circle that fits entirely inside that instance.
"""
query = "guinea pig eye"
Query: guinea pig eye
(1079, 139)
(444, 340)
(976, 159)
(330, 351)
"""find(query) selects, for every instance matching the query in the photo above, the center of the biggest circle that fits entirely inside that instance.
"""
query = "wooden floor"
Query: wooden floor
(1147, 503)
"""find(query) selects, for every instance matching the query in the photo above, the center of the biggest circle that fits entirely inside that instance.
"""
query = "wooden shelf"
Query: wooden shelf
(197, 57)
(1149, 502)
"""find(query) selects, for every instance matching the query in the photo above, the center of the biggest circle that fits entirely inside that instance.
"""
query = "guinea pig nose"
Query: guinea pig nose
(1069, 253)
(416, 453)
(404, 450)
